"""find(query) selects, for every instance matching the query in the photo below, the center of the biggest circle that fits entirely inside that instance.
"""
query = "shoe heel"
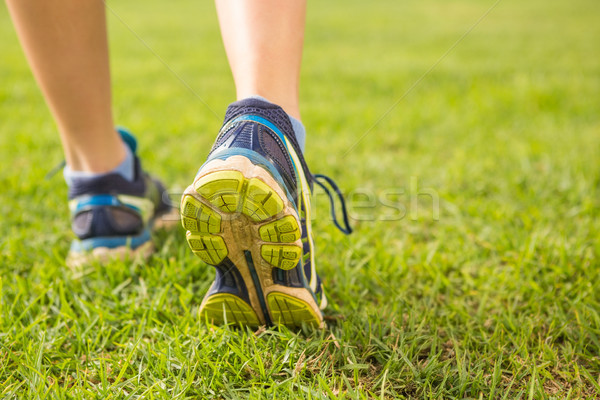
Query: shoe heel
(224, 193)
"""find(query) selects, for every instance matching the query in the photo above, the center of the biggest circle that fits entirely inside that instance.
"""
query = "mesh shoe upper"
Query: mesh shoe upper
(241, 132)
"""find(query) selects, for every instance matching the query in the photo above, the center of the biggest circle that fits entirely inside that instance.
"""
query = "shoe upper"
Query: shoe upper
(264, 128)
(112, 206)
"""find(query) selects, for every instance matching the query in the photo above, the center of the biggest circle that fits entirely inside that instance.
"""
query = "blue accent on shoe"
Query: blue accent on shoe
(110, 242)
(256, 134)
(297, 125)
(260, 120)
(97, 200)
(128, 138)
(101, 200)
(268, 124)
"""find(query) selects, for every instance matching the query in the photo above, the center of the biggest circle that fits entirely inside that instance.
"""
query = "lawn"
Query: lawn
(474, 268)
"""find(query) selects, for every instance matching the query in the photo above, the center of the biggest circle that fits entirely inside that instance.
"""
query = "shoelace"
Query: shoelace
(320, 180)
(55, 170)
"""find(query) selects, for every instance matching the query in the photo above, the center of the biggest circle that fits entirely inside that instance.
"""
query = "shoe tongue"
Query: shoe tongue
(128, 138)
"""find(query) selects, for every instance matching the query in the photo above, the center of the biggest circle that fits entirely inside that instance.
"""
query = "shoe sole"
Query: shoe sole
(236, 209)
(103, 255)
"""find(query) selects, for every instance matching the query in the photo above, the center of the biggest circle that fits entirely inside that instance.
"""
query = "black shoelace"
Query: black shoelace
(322, 180)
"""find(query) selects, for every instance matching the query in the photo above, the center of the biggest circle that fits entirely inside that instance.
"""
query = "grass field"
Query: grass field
(497, 297)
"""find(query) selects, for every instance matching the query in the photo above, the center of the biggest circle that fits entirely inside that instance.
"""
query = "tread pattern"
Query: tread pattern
(281, 256)
(210, 248)
(284, 230)
(261, 202)
(201, 222)
(226, 308)
(230, 192)
(196, 217)
(290, 311)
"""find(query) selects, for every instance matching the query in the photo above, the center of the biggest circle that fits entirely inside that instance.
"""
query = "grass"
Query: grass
(497, 297)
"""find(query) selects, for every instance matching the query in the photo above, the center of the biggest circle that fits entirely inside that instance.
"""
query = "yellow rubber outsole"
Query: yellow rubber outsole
(225, 308)
(230, 192)
(290, 311)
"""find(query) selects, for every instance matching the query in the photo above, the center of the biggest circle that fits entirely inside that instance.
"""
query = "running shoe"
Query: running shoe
(247, 213)
(112, 217)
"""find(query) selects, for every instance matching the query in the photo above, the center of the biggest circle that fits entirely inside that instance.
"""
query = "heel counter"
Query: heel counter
(106, 221)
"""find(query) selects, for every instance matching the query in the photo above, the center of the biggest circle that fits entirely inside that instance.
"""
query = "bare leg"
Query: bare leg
(66, 45)
(263, 40)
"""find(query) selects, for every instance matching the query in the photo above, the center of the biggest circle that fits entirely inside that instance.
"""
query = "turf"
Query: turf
(473, 271)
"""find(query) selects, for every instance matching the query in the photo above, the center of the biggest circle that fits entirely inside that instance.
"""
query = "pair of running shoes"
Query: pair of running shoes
(247, 213)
